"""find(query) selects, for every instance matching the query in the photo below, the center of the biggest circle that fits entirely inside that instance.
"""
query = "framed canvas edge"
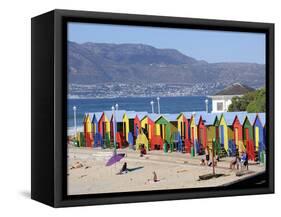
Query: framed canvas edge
(60, 199)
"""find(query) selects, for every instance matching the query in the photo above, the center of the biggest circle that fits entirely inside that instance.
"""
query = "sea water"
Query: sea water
(167, 105)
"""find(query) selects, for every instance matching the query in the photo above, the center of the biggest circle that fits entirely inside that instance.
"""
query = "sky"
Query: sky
(211, 46)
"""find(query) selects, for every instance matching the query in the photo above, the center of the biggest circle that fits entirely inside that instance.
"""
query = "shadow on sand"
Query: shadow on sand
(133, 169)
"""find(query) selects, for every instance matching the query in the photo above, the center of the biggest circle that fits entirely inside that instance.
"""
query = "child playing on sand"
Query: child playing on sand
(244, 160)
(202, 163)
(234, 162)
(142, 150)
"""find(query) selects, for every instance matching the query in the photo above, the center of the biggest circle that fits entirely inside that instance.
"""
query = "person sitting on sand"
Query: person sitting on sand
(155, 177)
(142, 150)
(124, 168)
(202, 163)
(244, 160)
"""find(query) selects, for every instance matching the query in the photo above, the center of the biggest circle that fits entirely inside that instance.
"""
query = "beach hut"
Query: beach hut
(259, 133)
(95, 131)
(183, 128)
(137, 122)
(166, 127)
(104, 127)
(148, 126)
(120, 128)
(237, 127)
(248, 135)
(128, 120)
(202, 132)
(80, 139)
(88, 129)
(226, 135)
(211, 124)
(193, 123)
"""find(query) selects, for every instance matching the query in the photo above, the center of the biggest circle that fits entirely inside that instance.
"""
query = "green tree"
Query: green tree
(250, 102)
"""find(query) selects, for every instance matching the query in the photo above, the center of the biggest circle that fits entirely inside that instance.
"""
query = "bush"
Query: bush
(250, 102)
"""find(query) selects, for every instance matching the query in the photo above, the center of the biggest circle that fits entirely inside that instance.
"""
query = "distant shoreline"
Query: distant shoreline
(130, 97)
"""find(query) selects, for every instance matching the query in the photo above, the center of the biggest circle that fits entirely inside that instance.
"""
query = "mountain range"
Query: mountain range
(97, 63)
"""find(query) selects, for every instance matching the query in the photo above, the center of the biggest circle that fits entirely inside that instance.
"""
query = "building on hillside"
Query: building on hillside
(222, 99)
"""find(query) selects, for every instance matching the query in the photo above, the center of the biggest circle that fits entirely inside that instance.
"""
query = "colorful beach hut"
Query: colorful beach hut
(104, 127)
(148, 126)
(226, 132)
(95, 124)
(166, 127)
(183, 128)
(248, 135)
(237, 127)
(259, 133)
(128, 120)
(211, 124)
(137, 122)
(193, 123)
(202, 132)
(120, 130)
(88, 129)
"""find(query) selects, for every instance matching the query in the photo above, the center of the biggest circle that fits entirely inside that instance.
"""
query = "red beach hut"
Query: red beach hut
(202, 133)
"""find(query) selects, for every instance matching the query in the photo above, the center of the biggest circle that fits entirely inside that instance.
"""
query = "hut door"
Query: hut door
(137, 130)
(217, 133)
(103, 130)
(257, 138)
(201, 135)
(236, 135)
(192, 134)
(184, 130)
(247, 134)
(124, 130)
(161, 131)
(221, 135)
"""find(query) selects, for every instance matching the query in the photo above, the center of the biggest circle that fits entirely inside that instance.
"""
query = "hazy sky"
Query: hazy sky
(212, 46)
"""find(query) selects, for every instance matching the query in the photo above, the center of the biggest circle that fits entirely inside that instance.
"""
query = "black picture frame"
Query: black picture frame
(48, 108)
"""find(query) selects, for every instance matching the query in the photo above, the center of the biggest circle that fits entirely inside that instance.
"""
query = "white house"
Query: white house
(222, 99)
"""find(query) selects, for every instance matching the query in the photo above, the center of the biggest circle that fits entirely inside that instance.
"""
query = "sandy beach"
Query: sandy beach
(88, 173)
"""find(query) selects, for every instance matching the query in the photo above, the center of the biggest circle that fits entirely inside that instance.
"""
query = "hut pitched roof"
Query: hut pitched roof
(154, 116)
(251, 117)
(209, 119)
(108, 114)
(131, 114)
(262, 118)
(119, 115)
(97, 115)
(170, 117)
(141, 114)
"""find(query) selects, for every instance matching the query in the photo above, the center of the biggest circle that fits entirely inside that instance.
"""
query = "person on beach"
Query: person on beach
(234, 162)
(142, 150)
(202, 162)
(124, 169)
(155, 177)
(244, 160)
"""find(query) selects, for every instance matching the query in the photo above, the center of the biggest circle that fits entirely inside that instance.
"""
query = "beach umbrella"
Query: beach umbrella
(114, 159)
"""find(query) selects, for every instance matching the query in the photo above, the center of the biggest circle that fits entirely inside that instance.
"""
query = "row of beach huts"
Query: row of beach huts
(189, 132)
